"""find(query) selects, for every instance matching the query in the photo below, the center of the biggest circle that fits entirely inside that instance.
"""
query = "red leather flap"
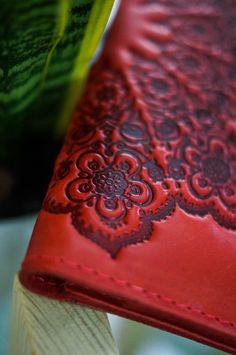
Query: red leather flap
(140, 215)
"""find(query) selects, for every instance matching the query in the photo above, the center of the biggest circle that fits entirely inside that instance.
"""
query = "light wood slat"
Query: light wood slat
(41, 326)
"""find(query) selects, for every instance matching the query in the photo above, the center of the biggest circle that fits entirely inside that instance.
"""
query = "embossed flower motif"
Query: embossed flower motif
(110, 186)
(197, 69)
(107, 96)
(134, 131)
(157, 86)
(159, 91)
(109, 182)
(213, 173)
(155, 171)
(166, 129)
(80, 132)
(199, 30)
(105, 100)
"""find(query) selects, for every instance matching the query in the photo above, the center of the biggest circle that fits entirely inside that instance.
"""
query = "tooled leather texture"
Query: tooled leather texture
(140, 216)
(156, 126)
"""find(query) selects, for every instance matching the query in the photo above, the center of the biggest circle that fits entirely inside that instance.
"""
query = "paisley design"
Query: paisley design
(156, 126)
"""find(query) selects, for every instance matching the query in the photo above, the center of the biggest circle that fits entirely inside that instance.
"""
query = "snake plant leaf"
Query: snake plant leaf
(46, 47)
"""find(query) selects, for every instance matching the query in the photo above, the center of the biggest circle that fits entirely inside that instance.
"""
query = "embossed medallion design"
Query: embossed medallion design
(155, 128)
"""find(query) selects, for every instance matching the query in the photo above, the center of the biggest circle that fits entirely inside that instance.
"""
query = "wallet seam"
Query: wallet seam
(124, 283)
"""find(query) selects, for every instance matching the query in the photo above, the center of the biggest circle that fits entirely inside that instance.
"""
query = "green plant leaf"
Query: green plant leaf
(46, 47)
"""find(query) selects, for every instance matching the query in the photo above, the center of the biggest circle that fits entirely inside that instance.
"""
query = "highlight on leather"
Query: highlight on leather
(146, 178)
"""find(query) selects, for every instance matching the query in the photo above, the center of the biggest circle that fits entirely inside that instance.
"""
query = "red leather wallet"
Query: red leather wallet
(140, 215)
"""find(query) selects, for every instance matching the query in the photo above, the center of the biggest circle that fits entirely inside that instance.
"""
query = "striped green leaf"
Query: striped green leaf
(46, 46)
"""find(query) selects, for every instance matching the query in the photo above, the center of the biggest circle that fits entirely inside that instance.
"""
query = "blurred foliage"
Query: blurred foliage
(46, 47)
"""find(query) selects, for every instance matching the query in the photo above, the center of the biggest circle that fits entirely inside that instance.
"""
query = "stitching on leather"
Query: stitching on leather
(123, 283)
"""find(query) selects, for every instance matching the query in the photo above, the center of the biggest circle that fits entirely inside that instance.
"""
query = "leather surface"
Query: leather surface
(140, 215)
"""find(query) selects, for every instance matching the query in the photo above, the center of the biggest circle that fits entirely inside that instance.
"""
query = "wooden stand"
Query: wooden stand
(41, 326)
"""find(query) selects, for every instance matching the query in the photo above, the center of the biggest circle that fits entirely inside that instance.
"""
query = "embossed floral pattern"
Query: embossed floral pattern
(154, 129)
(110, 185)
(213, 173)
